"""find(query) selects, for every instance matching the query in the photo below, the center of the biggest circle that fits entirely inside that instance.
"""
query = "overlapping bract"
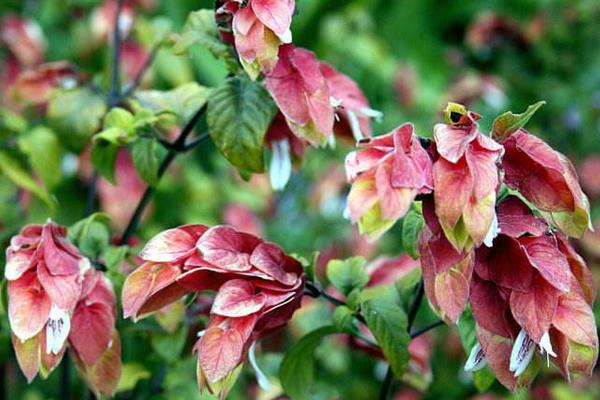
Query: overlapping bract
(258, 289)
(386, 176)
(532, 289)
(55, 297)
(526, 285)
(259, 28)
(315, 101)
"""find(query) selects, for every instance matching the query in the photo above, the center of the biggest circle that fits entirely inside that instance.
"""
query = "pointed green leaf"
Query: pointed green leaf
(145, 154)
(45, 154)
(75, 115)
(239, 113)
(297, 368)
(11, 168)
(412, 224)
(201, 28)
(382, 308)
(508, 123)
(347, 275)
(104, 156)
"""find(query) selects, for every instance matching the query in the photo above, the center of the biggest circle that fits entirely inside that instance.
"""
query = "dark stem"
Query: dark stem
(114, 96)
(142, 71)
(388, 382)
(65, 378)
(425, 329)
(91, 195)
(176, 147)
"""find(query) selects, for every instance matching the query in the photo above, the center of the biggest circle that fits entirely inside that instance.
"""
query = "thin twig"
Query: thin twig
(425, 329)
(176, 147)
(114, 96)
(91, 195)
(141, 72)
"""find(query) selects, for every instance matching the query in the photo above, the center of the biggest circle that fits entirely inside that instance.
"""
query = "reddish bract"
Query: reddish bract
(386, 176)
(55, 298)
(258, 289)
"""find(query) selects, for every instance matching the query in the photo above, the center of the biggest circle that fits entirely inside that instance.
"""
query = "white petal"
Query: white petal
(280, 168)
(261, 378)
(521, 353)
(492, 233)
(57, 329)
(331, 140)
(476, 360)
(354, 125)
(286, 37)
(369, 112)
(546, 345)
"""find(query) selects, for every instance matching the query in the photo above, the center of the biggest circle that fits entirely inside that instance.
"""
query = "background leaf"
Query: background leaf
(239, 113)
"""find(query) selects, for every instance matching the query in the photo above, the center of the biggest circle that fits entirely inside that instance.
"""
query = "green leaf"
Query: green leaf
(131, 373)
(343, 319)
(508, 123)
(411, 228)
(297, 368)
(168, 345)
(183, 101)
(11, 124)
(118, 127)
(146, 160)
(382, 309)
(75, 115)
(12, 169)
(201, 28)
(348, 274)
(90, 234)
(239, 113)
(45, 154)
(114, 255)
(104, 156)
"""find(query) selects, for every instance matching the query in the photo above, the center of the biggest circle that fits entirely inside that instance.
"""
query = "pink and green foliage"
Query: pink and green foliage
(258, 289)
(480, 224)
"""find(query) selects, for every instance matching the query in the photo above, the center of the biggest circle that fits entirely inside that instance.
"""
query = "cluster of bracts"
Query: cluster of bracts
(497, 214)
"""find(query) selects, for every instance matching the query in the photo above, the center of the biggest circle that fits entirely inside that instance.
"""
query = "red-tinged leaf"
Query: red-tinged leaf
(506, 264)
(199, 279)
(145, 281)
(91, 331)
(270, 259)
(478, 216)
(544, 255)
(452, 142)
(571, 356)
(28, 306)
(18, 262)
(236, 298)
(393, 202)
(172, 245)
(361, 161)
(219, 352)
(516, 219)
(275, 14)
(58, 255)
(482, 164)
(453, 187)
(497, 351)
(162, 298)
(48, 360)
(575, 319)
(28, 355)
(580, 270)
(224, 247)
(63, 290)
(103, 376)
(490, 309)
(452, 290)
(534, 169)
(534, 309)
(362, 197)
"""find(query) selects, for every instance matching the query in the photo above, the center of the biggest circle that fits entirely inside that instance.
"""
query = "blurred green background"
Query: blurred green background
(410, 57)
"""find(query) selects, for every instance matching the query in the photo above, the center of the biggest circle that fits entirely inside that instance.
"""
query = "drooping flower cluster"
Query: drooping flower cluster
(258, 289)
(386, 176)
(55, 297)
(526, 285)
(531, 289)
